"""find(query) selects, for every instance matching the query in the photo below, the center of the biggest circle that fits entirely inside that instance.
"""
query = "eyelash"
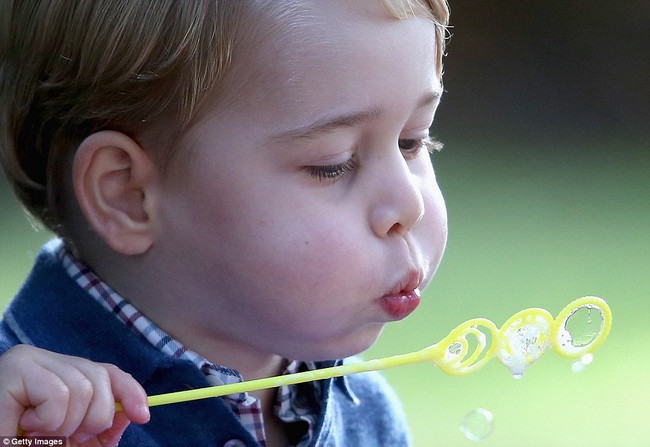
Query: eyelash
(332, 172)
(427, 142)
(335, 172)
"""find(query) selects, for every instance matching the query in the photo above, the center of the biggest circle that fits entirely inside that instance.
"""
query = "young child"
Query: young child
(239, 189)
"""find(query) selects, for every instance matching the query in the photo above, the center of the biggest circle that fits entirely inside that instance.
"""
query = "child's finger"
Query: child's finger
(130, 394)
(91, 406)
(71, 400)
(111, 437)
(122, 388)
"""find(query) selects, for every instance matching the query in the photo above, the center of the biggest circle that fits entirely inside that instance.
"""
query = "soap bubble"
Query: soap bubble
(478, 424)
(526, 342)
(584, 325)
(580, 365)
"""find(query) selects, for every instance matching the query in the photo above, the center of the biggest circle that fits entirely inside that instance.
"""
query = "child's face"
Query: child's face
(306, 206)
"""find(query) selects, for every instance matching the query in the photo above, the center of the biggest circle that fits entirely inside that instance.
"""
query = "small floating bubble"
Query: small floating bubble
(578, 367)
(581, 364)
(478, 424)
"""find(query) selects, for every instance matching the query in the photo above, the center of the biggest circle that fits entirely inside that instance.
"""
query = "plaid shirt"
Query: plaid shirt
(298, 406)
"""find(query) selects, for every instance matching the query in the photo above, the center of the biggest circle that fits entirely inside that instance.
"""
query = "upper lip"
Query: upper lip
(408, 283)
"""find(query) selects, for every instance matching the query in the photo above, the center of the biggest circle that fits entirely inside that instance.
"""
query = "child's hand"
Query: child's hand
(45, 393)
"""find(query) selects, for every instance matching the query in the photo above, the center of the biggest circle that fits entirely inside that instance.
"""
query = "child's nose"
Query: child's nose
(397, 198)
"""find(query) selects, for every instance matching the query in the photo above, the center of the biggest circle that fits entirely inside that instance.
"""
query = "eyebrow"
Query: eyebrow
(326, 125)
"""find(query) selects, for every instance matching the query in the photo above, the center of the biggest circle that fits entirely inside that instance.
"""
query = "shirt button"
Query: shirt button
(235, 443)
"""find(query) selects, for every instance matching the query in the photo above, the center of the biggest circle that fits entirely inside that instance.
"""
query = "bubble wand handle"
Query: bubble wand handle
(288, 379)
(522, 339)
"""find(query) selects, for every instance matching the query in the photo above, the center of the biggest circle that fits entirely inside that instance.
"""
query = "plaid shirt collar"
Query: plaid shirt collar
(297, 405)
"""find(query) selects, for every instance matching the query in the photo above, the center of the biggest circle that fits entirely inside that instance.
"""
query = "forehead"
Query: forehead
(325, 52)
(303, 30)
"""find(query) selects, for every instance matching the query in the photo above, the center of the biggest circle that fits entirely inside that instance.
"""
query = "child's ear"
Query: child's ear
(115, 185)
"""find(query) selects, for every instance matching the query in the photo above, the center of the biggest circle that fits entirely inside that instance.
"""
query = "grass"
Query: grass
(533, 227)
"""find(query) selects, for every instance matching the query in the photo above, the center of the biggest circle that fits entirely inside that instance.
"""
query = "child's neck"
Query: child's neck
(155, 298)
(252, 364)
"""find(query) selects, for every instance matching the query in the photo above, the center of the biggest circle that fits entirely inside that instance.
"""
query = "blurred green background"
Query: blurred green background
(546, 173)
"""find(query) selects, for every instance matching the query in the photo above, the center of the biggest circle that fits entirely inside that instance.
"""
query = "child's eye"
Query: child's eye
(332, 172)
(411, 146)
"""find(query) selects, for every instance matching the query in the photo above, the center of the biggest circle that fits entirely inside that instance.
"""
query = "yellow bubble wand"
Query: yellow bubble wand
(581, 327)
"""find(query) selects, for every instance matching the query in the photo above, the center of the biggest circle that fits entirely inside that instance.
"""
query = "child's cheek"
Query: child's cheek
(326, 257)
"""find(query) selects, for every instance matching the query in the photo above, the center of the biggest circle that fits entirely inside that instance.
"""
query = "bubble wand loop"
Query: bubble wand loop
(522, 339)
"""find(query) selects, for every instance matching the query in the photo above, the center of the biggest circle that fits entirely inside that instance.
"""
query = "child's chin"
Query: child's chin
(350, 345)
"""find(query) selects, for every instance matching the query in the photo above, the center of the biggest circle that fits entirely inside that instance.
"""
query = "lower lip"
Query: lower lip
(401, 305)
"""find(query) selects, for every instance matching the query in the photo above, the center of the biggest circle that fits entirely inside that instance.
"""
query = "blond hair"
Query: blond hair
(69, 68)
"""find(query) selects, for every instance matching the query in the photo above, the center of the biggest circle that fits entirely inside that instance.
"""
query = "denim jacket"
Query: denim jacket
(52, 312)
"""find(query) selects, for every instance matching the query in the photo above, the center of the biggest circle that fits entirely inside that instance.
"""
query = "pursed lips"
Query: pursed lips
(404, 297)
